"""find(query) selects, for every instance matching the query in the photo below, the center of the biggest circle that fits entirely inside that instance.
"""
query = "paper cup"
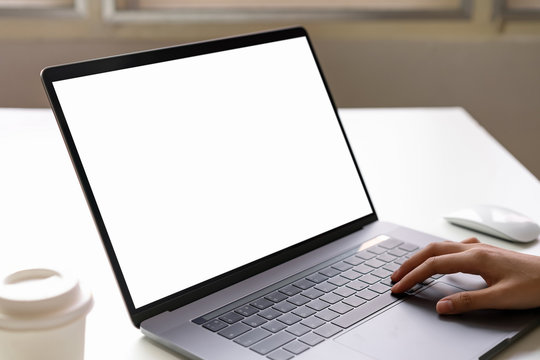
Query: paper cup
(42, 315)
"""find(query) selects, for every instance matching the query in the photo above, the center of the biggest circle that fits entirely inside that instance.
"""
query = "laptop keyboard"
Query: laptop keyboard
(301, 314)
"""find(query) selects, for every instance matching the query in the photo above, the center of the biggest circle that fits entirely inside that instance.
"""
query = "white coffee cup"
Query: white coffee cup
(42, 315)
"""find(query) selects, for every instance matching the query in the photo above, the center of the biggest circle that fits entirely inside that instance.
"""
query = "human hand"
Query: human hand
(513, 278)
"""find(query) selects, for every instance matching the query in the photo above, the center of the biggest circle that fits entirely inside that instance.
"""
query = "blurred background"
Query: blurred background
(483, 55)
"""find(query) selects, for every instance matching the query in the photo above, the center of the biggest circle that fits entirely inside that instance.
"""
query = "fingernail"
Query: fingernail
(395, 288)
(445, 306)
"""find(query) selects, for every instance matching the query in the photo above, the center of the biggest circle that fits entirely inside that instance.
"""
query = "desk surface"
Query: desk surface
(418, 164)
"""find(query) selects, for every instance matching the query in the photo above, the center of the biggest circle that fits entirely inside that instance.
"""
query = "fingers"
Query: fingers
(467, 301)
(440, 264)
(433, 249)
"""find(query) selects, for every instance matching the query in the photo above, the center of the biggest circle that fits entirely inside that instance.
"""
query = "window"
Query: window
(286, 9)
(518, 9)
(35, 4)
(398, 5)
(40, 7)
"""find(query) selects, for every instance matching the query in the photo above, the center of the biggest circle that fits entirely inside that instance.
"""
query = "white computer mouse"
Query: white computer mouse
(496, 221)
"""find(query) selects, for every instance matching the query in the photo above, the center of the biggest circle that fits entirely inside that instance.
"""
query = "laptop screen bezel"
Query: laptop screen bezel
(68, 71)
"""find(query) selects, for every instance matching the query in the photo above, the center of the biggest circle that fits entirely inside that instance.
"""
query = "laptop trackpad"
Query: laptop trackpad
(414, 330)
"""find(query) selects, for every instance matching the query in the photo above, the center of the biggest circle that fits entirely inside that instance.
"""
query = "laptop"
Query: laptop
(235, 216)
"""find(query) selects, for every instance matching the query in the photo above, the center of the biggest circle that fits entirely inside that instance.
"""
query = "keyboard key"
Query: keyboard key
(313, 293)
(296, 347)
(273, 342)
(339, 280)
(329, 272)
(276, 297)
(376, 250)
(367, 294)
(400, 260)
(365, 255)
(327, 315)
(234, 330)
(284, 306)
(215, 325)
(365, 310)
(317, 278)
(262, 303)
(311, 339)
(349, 274)
(274, 326)
(304, 284)
(280, 355)
(342, 266)
(289, 319)
(254, 321)
(341, 308)
(231, 317)
(313, 322)
(252, 337)
(331, 298)
(298, 300)
(354, 260)
(270, 314)
(397, 252)
(382, 273)
(298, 329)
(370, 279)
(379, 288)
(387, 282)
(391, 267)
(326, 287)
(246, 310)
(303, 311)
(390, 243)
(363, 269)
(318, 305)
(327, 330)
(414, 289)
(354, 301)
(344, 291)
(375, 263)
(357, 285)
(386, 258)
(290, 290)
(408, 247)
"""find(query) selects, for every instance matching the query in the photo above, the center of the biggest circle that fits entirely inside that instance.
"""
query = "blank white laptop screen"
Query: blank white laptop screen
(203, 164)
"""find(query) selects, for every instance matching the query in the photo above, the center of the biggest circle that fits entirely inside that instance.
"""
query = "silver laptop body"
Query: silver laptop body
(234, 214)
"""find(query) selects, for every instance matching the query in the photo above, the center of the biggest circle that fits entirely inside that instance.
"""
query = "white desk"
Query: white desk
(419, 164)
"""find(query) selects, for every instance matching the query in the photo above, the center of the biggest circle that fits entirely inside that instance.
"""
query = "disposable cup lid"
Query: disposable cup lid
(41, 298)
